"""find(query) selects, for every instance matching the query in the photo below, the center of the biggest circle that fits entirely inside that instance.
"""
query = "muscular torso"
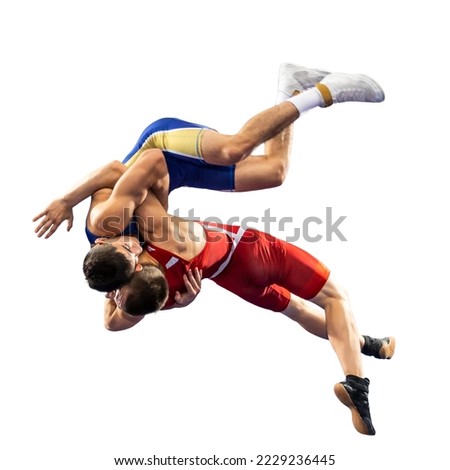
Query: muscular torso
(182, 237)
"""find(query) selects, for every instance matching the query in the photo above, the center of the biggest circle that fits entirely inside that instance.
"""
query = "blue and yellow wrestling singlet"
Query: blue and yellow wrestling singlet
(180, 142)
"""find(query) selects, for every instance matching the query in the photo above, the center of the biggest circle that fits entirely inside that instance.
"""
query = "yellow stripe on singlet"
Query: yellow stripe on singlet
(184, 142)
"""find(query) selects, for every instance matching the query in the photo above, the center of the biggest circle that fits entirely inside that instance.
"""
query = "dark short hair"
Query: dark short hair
(106, 269)
(147, 291)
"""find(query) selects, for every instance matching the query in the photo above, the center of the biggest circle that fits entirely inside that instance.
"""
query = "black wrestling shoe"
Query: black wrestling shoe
(381, 348)
(354, 393)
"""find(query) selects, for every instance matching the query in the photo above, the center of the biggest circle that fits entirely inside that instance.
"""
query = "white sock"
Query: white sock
(307, 100)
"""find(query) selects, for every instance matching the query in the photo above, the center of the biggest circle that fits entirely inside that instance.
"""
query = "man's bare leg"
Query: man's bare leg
(312, 318)
(268, 170)
(341, 327)
(345, 340)
(222, 149)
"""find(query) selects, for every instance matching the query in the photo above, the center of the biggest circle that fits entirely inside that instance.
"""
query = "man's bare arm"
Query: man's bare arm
(111, 216)
(61, 209)
(116, 319)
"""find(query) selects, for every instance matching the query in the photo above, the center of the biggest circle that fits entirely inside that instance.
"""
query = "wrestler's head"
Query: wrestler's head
(110, 262)
(145, 292)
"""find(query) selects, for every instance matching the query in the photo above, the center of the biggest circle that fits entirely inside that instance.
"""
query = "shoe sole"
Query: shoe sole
(346, 400)
(388, 349)
(314, 75)
(305, 70)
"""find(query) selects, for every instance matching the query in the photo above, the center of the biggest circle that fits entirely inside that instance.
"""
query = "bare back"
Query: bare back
(185, 238)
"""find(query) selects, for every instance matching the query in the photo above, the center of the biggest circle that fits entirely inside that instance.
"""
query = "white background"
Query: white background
(79, 82)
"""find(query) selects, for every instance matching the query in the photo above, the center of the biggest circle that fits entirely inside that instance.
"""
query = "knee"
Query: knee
(331, 293)
(339, 300)
(235, 150)
(279, 172)
(341, 294)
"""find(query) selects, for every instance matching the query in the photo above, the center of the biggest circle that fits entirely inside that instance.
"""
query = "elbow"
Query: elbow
(111, 327)
(108, 326)
(115, 170)
(118, 167)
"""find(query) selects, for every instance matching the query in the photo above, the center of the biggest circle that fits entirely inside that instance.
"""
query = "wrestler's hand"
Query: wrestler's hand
(193, 283)
(52, 217)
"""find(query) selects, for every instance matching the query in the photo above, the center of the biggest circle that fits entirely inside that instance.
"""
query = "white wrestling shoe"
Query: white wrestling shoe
(343, 87)
(292, 78)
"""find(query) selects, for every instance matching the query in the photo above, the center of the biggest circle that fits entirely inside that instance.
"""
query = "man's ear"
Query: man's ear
(138, 267)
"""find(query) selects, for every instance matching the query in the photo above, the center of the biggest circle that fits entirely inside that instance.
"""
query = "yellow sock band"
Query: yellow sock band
(326, 95)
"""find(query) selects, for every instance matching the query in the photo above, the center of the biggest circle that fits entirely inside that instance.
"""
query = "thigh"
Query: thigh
(251, 272)
(174, 135)
(270, 297)
(302, 274)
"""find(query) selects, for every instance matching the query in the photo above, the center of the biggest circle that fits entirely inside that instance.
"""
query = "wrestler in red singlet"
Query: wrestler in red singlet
(254, 265)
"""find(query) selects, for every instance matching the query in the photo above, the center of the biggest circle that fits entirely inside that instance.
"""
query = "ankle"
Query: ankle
(360, 383)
